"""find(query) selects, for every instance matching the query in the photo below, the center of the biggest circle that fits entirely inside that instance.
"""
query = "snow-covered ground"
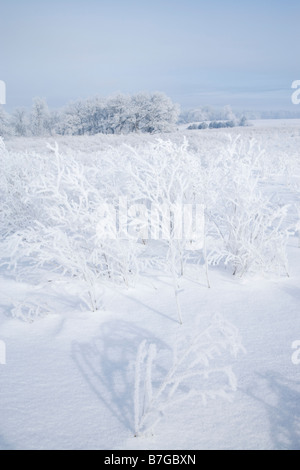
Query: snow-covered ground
(70, 378)
(275, 123)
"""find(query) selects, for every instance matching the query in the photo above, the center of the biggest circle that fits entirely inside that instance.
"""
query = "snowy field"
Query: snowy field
(275, 123)
(95, 354)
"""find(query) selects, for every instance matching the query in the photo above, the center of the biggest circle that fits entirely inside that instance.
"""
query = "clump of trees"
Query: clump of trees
(207, 113)
(219, 124)
(120, 114)
(207, 117)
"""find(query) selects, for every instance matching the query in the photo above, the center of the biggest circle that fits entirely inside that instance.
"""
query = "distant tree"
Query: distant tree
(19, 122)
(243, 121)
(214, 125)
(229, 114)
(139, 112)
(54, 121)
(221, 124)
(4, 123)
(207, 113)
(40, 118)
(203, 125)
(119, 114)
(163, 113)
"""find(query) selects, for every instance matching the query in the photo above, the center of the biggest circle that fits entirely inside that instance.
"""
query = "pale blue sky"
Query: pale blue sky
(216, 52)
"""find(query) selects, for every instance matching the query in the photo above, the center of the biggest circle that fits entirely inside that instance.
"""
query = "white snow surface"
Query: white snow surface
(68, 381)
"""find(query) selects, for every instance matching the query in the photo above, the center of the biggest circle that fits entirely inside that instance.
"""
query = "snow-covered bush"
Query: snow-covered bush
(19, 173)
(29, 310)
(218, 124)
(193, 373)
(63, 239)
(249, 230)
(63, 212)
(221, 124)
(51, 222)
(159, 177)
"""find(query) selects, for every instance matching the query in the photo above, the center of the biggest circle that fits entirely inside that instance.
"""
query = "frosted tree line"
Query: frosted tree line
(211, 114)
(119, 114)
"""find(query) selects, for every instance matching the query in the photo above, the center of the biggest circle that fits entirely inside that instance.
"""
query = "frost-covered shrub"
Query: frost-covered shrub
(203, 125)
(53, 213)
(215, 125)
(29, 310)
(19, 174)
(249, 231)
(195, 367)
(159, 176)
(64, 239)
(192, 127)
(61, 240)
(221, 124)
(51, 222)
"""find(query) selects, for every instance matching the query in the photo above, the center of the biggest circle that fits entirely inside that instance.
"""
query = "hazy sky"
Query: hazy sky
(238, 52)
